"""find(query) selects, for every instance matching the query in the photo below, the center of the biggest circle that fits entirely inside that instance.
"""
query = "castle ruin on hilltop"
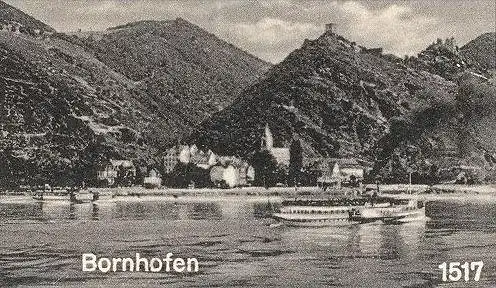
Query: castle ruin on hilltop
(329, 27)
(448, 44)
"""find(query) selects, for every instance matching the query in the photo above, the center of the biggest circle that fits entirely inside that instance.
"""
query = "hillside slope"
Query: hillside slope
(188, 72)
(482, 50)
(64, 109)
(463, 133)
(440, 142)
(11, 15)
(59, 119)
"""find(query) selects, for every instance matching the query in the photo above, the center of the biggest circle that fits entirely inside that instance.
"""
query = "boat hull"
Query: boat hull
(66, 197)
(413, 216)
(299, 221)
(52, 197)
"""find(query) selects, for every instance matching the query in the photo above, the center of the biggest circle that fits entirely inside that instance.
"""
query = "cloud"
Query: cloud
(396, 28)
(270, 38)
(274, 31)
(271, 29)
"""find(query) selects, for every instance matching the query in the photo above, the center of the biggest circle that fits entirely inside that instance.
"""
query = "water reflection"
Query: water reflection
(94, 211)
(72, 211)
(234, 243)
(370, 238)
(124, 210)
(412, 235)
(400, 241)
(353, 240)
(208, 211)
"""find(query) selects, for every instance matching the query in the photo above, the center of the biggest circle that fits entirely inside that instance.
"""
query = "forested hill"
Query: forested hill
(11, 15)
(482, 50)
(345, 100)
(71, 101)
(336, 96)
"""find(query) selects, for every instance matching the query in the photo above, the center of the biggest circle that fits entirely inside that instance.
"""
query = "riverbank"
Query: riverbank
(400, 189)
(487, 189)
(261, 196)
(256, 191)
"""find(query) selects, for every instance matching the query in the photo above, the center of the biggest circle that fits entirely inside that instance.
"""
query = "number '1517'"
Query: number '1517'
(454, 271)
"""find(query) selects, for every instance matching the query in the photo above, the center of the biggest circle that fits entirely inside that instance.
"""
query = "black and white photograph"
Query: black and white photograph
(232, 143)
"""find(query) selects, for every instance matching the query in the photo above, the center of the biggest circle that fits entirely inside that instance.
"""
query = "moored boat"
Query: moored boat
(69, 195)
(50, 196)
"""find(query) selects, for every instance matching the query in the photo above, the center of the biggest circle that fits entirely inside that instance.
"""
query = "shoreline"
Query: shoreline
(457, 197)
(389, 189)
(439, 192)
(176, 192)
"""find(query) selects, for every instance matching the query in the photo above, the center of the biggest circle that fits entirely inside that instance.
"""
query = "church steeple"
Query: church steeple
(267, 140)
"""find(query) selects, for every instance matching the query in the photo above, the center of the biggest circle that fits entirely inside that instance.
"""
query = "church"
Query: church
(281, 155)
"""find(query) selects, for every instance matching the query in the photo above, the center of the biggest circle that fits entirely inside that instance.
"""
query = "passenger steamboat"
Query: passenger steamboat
(345, 210)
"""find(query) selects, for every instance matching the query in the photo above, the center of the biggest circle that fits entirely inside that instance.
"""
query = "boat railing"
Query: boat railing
(350, 201)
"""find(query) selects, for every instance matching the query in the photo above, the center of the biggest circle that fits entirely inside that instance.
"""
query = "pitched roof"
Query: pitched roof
(122, 163)
(342, 162)
(346, 162)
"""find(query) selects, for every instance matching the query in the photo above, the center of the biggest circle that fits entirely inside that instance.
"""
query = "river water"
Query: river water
(42, 244)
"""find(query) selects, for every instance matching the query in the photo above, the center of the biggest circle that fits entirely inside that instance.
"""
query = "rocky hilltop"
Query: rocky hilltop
(446, 59)
(69, 101)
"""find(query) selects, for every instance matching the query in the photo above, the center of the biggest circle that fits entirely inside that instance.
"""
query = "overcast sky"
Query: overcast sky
(272, 29)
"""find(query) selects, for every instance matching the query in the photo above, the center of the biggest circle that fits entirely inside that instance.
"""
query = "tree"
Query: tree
(186, 174)
(265, 168)
(179, 177)
(295, 162)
